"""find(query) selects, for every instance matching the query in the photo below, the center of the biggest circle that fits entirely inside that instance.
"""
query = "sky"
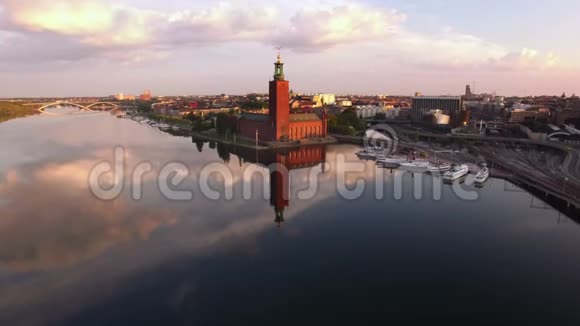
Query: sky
(389, 47)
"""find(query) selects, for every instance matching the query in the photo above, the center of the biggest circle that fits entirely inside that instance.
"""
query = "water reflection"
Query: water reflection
(279, 163)
(69, 258)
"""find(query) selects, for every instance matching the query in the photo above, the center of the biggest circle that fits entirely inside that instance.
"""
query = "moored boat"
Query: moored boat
(418, 166)
(439, 167)
(392, 161)
(370, 154)
(482, 176)
(456, 172)
(163, 126)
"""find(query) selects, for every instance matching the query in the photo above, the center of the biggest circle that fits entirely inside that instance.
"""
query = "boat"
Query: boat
(418, 166)
(392, 161)
(456, 172)
(439, 167)
(367, 154)
(163, 126)
(482, 176)
(175, 128)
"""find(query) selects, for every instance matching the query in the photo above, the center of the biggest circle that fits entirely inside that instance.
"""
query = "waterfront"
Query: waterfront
(68, 258)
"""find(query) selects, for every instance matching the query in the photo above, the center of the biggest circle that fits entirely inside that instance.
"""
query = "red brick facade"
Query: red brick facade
(280, 108)
(247, 128)
(306, 129)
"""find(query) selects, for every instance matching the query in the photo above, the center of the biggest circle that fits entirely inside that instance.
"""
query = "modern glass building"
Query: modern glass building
(422, 105)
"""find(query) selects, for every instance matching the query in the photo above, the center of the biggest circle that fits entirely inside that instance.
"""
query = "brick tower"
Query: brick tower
(280, 102)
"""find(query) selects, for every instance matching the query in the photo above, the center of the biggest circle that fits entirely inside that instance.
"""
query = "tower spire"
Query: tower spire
(279, 55)
(279, 67)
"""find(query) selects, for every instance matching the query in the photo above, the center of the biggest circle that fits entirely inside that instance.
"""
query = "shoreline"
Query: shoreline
(262, 146)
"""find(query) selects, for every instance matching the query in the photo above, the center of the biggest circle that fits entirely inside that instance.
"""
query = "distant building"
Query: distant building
(424, 107)
(563, 116)
(123, 97)
(324, 99)
(344, 102)
(521, 115)
(468, 92)
(146, 96)
(368, 111)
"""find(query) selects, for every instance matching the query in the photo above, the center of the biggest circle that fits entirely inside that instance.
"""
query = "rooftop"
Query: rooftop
(437, 97)
(255, 116)
(304, 117)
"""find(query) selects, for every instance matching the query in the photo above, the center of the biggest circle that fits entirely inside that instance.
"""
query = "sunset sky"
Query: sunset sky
(181, 47)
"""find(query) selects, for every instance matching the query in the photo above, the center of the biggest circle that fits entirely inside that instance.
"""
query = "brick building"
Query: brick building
(279, 125)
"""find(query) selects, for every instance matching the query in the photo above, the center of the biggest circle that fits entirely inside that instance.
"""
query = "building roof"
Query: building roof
(304, 117)
(437, 97)
(255, 116)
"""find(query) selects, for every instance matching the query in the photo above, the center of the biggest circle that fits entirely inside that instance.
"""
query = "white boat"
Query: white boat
(438, 168)
(482, 176)
(392, 161)
(418, 166)
(175, 128)
(457, 172)
(163, 126)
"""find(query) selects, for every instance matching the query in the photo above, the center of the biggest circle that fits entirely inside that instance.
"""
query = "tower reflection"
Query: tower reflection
(279, 164)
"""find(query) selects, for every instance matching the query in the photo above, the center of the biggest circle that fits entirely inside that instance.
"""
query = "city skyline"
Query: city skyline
(98, 48)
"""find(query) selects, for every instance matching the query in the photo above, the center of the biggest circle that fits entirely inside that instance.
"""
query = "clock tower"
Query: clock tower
(280, 102)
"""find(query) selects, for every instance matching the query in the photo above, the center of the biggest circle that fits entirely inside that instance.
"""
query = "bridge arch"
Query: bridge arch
(46, 106)
(114, 106)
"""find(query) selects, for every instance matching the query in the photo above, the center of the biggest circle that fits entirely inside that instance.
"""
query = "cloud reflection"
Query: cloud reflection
(50, 220)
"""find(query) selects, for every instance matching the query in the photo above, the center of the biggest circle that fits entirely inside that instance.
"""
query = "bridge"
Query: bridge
(44, 106)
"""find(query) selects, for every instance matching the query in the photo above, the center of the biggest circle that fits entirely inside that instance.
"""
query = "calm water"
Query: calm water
(68, 258)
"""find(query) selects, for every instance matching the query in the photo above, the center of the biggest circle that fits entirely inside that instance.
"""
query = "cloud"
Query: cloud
(73, 231)
(312, 29)
(450, 50)
(102, 24)
(17, 47)
(526, 59)
(66, 17)
(78, 29)
(90, 22)
(446, 48)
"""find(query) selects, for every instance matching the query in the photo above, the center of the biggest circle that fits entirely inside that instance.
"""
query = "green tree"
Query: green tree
(350, 118)
(145, 106)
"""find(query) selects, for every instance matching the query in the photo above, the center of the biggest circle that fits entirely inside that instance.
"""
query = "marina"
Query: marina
(410, 163)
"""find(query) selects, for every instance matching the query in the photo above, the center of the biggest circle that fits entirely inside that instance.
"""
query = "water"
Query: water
(69, 258)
